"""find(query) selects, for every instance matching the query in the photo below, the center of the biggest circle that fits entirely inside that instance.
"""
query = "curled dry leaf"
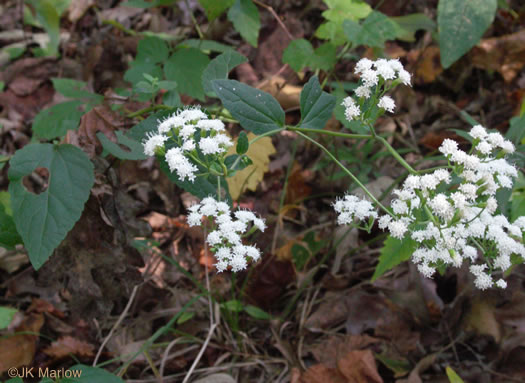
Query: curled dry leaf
(66, 345)
(288, 95)
(19, 350)
(504, 54)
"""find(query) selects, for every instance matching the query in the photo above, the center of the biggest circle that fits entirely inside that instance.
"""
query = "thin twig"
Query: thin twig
(276, 16)
(120, 319)
(199, 355)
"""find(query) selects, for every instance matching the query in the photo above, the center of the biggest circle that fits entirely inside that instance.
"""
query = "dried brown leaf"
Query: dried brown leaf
(68, 345)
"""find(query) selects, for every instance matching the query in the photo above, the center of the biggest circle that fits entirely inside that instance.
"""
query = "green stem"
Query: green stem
(218, 188)
(348, 172)
(119, 26)
(269, 133)
(5, 159)
(330, 133)
(396, 155)
(147, 110)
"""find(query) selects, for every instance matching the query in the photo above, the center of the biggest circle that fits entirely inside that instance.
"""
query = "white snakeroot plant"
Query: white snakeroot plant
(196, 140)
(227, 231)
(449, 212)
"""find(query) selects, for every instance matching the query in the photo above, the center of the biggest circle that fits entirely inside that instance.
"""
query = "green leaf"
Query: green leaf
(56, 120)
(452, 376)
(186, 67)
(324, 57)
(373, 32)
(145, 87)
(460, 26)
(298, 54)
(245, 18)
(74, 89)
(205, 45)
(135, 73)
(316, 105)
(6, 316)
(257, 111)
(338, 11)
(167, 85)
(233, 306)
(214, 8)
(87, 374)
(219, 67)
(242, 143)
(410, 24)
(43, 220)
(152, 50)
(516, 132)
(172, 98)
(393, 253)
(48, 17)
(257, 313)
(134, 152)
(518, 206)
(9, 237)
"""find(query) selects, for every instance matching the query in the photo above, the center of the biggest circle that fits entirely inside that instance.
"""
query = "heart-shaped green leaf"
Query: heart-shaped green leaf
(43, 220)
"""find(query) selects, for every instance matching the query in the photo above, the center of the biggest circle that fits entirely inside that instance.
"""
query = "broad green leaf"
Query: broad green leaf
(242, 143)
(172, 98)
(86, 374)
(393, 253)
(245, 18)
(516, 131)
(152, 50)
(150, 124)
(352, 30)
(56, 120)
(135, 73)
(517, 205)
(219, 67)
(316, 105)
(338, 11)
(147, 4)
(298, 54)
(9, 237)
(6, 316)
(375, 30)
(43, 220)
(74, 89)
(461, 25)
(410, 24)
(452, 376)
(144, 87)
(49, 18)
(233, 306)
(185, 67)
(257, 313)
(205, 45)
(167, 85)
(257, 111)
(214, 8)
(324, 58)
(135, 150)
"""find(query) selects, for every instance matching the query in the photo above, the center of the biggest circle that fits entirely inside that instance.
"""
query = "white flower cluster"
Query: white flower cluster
(226, 239)
(352, 207)
(183, 127)
(453, 219)
(375, 73)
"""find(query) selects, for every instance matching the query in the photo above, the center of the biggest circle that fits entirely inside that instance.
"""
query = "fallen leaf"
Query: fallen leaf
(319, 373)
(77, 9)
(19, 350)
(504, 54)
(428, 66)
(248, 178)
(66, 345)
(481, 319)
(359, 366)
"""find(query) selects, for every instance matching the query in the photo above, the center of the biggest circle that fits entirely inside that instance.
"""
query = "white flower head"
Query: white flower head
(351, 108)
(152, 142)
(362, 65)
(387, 103)
(363, 91)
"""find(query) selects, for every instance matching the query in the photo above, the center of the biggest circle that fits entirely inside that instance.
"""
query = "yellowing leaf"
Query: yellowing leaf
(248, 178)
